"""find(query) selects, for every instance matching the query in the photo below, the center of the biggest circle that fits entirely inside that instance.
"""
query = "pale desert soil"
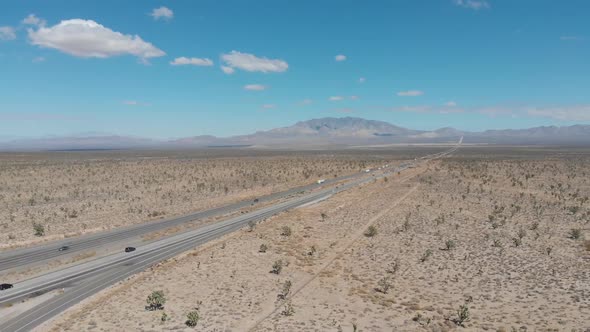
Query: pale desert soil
(70, 193)
(513, 261)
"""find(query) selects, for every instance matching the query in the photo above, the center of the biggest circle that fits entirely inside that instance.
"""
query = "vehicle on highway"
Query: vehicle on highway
(367, 170)
(129, 249)
(5, 286)
(320, 181)
(64, 248)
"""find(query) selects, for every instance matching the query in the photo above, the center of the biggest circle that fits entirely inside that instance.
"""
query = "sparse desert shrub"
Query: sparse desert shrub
(497, 243)
(251, 225)
(277, 267)
(156, 300)
(39, 229)
(426, 255)
(462, 315)
(521, 233)
(286, 231)
(548, 250)
(192, 318)
(393, 267)
(263, 248)
(323, 216)
(517, 241)
(164, 317)
(383, 285)
(312, 250)
(288, 310)
(575, 233)
(371, 231)
(285, 291)
(449, 245)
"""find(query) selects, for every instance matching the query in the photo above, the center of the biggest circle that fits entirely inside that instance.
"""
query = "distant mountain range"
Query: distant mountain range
(317, 133)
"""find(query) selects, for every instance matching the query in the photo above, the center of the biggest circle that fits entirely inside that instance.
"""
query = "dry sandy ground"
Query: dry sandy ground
(71, 194)
(493, 236)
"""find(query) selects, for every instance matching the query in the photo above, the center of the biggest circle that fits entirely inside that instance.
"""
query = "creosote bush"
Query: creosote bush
(263, 248)
(575, 233)
(277, 267)
(192, 318)
(286, 231)
(156, 300)
(371, 231)
(39, 229)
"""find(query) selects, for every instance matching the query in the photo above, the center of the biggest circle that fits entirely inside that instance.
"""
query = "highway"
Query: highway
(36, 255)
(82, 280)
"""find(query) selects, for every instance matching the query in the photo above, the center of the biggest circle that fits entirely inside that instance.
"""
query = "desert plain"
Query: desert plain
(487, 239)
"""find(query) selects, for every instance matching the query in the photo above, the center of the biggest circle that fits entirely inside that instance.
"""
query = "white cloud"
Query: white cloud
(130, 102)
(252, 63)
(7, 33)
(34, 20)
(336, 98)
(451, 104)
(86, 38)
(162, 13)
(472, 4)
(191, 61)
(355, 97)
(564, 113)
(410, 93)
(38, 59)
(306, 101)
(255, 87)
(362, 80)
(228, 70)
(340, 57)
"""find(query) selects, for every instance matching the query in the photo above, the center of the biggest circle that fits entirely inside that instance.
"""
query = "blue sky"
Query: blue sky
(167, 69)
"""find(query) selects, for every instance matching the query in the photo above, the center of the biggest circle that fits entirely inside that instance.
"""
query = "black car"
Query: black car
(5, 286)
(64, 248)
(129, 249)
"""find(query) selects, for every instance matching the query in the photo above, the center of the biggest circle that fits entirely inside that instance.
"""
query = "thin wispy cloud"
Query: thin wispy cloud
(306, 101)
(183, 61)
(253, 63)
(269, 106)
(7, 33)
(362, 80)
(450, 104)
(410, 93)
(571, 38)
(227, 70)
(38, 59)
(336, 98)
(472, 4)
(562, 113)
(255, 87)
(355, 97)
(340, 57)
(32, 19)
(162, 13)
(88, 39)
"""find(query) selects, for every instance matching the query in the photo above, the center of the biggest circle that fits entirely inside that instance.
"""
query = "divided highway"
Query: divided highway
(85, 279)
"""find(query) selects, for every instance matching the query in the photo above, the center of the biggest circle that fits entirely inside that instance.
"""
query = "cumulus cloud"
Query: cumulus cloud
(88, 39)
(182, 61)
(336, 98)
(472, 4)
(252, 63)
(162, 13)
(227, 70)
(410, 93)
(255, 87)
(340, 57)
(34, 20)
(7, 33)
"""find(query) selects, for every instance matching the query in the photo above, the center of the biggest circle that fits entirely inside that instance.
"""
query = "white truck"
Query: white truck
(320, 181)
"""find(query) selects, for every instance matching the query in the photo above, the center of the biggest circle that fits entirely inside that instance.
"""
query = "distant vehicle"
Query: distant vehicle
(5, 286)
(64, 248)
(367, 170)
(320, 181)
(129, 249)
